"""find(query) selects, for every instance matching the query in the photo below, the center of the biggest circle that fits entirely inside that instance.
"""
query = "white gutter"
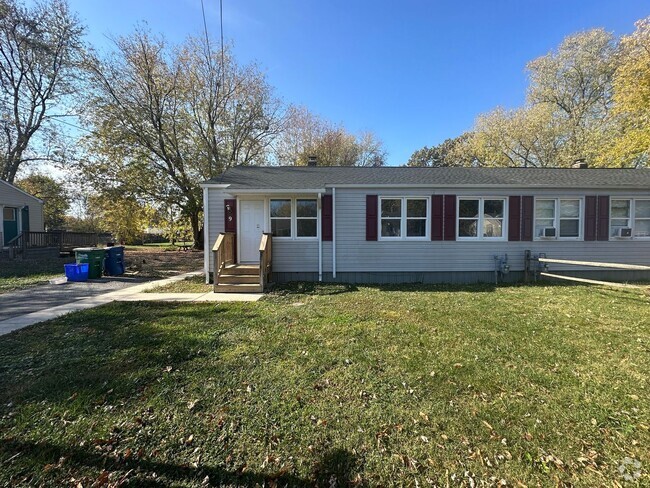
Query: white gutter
(266, 191)
(333, 232)
(220, 186)
(206, 237)
(320, 240)
(462, 186)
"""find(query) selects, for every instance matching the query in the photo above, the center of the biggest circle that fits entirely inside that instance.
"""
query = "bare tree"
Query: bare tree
(306, 134)
(167, 118)
(39, 53)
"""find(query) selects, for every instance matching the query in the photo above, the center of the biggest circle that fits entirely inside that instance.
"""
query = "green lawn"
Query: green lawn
(195, 284)
(16, 275)
(333, 385)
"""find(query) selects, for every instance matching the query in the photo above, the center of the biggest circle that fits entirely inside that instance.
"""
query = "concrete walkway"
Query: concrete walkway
(129, 294)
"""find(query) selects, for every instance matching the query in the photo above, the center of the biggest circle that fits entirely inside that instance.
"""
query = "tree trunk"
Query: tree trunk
(197, 230)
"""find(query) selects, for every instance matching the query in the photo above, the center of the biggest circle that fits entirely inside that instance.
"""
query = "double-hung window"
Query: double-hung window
(558, 218)
(281, 217)
(306, 217)
(404, 217)
(632, 213)
(641, 218)
(481, 218)
(294, 217)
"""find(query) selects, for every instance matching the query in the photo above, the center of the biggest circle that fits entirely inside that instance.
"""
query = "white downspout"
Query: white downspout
(320, 239)
(333, 232)
(206, 237)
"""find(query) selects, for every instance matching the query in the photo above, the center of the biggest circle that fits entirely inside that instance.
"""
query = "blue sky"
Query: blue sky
(414, 72)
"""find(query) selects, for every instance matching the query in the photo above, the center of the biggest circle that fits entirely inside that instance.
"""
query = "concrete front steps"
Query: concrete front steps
(239, 278)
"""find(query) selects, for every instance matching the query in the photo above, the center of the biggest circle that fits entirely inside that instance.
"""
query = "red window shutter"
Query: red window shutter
(437, 217)
(371, 217)
(326, 218)
(591, 218)
(230, 215)
(514, 218)
(527, 218)
(603, 218)
(450, 218)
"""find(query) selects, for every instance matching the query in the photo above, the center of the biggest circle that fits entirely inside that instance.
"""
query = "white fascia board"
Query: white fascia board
(263, 191)
(21, 191)
(503, 186)
(214, 185)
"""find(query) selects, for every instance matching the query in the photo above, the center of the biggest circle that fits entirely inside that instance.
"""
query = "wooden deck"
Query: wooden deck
(64, 241)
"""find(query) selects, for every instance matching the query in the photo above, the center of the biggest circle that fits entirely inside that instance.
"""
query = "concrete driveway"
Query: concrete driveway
(14, 304)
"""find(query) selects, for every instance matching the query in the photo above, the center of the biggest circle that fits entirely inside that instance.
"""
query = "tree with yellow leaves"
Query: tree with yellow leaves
(631, 146)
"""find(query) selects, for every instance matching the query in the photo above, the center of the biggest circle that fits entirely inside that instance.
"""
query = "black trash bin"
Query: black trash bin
(114, 261)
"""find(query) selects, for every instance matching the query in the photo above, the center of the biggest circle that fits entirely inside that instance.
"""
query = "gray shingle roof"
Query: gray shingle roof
(302, 177)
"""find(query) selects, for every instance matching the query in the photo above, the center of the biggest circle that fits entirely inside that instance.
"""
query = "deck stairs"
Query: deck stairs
(239, 278)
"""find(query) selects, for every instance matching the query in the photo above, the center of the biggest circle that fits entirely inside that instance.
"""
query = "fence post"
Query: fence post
(526, 266)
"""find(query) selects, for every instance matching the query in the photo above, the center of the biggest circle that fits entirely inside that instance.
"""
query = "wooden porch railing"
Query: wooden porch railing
(266, 258)
(223, 252)
(64, 241)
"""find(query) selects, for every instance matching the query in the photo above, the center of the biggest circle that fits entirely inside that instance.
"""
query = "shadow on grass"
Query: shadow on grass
(311, 288)
(110, 353)
(336, 468)
(324, 288)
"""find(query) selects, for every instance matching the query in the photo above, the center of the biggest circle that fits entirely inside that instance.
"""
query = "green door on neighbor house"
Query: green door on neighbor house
(9, 223)
(24, 218)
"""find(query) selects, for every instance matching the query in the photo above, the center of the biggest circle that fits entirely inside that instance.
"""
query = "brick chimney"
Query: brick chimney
(312, 161)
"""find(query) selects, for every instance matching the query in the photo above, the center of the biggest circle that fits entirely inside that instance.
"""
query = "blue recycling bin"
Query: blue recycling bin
(114, 261)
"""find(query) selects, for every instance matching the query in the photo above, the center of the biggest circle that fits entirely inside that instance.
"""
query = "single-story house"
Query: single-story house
(402, 224)
(19, 211)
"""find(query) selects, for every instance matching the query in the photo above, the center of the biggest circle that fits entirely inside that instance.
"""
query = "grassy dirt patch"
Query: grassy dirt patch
(335, 386)
(160, 262)
(149, 262)
(21, 274)
(194, 284)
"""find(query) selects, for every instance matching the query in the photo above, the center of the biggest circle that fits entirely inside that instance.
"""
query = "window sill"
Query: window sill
(565, 239)
(315, 239)
(397, 239)
(481, 239)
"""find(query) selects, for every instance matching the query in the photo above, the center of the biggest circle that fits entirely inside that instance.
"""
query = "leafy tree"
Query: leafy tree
(575, 83)
(448, 153)
(39, 52)
(55, 198)
(306, 134)
(630, 146)
(567, 115)
(167, 118)
(125, 218)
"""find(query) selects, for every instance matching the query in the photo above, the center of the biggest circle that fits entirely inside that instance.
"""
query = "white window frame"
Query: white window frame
(291, 217)
(480, 218)
(556, 219)
(404, 219)
(294, 217)
(631, 219)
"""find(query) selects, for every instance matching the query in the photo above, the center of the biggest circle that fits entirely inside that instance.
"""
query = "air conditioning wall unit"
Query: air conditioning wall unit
(549, 233)
(624, 232)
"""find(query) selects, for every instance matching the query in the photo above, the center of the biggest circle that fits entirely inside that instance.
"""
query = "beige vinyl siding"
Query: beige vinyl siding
(356, 255)
(288, 255)
(12, 197)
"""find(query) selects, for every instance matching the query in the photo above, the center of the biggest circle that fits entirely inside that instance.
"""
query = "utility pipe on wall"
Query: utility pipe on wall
(320, 240)
(206, 237)
(333, 232)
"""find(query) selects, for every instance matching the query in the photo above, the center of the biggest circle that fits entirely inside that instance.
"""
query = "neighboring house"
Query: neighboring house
(399, 224)
(19, 211)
